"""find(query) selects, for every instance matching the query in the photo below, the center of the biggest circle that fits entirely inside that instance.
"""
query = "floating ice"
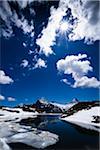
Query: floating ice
(37, 140)
(11, 131)
(4, 145)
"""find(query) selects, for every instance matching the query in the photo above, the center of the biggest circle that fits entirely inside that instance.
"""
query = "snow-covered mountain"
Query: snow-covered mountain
(52, 107)
(44, 106)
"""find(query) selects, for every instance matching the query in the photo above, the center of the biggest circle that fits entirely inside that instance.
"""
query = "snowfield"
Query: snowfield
(11, 131)
(84, 118)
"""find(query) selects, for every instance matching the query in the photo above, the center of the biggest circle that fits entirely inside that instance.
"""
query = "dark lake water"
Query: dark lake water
(71, 137)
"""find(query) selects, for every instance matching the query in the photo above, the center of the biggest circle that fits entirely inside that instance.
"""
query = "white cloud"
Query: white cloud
(88, 19)
(2, 97)
(74, 65)
(30, 52)
(23, 24)
(40, 64)
(24, 63)
(11, 99)
(65, 81)
(85, 13)
(48, 38)
(11, 18)
(23, 3)
(4, 79)
(65, 26)
(24, 44)
(87, 82)
(78, 66)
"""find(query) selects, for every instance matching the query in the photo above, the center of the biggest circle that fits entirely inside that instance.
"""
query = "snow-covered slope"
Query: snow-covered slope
(15, 114)
(64, 107)
(85, 118)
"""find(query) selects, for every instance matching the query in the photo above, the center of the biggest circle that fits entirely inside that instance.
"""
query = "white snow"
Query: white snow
(64, 106)
(6, 115)
(84, 118)
(11, 131)
(35, 139)
(4, 145)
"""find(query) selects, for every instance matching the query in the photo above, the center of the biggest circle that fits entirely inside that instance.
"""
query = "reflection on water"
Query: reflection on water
(40, 121)
(71, 136)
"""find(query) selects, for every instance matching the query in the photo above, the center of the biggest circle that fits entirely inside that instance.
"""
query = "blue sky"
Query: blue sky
(48, 50)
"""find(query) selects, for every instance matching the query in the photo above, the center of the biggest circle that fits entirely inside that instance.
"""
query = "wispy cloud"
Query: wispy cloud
(48, 34)
(10, 18)
(11, 99)
(87, 16)
(24, 44)
(65, 81)
(23, 3)
(78, 67)
(24, 63)
(4, 79)
(31, 52)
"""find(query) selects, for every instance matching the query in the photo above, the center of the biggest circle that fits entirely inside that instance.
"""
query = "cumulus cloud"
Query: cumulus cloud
(24, 63)
(4, 79)
(11, 99)
(40, 64)
(78, 66)
(87, 82)
(74, 65)
(2, 97)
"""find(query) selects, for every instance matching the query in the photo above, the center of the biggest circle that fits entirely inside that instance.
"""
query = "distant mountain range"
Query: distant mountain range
(42, 105)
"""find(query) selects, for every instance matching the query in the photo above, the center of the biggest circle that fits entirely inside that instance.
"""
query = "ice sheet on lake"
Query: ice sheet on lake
(4, 145)
(11, 131)
(84, 118)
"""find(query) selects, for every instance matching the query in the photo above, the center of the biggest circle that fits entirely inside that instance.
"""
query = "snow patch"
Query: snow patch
(12, 114)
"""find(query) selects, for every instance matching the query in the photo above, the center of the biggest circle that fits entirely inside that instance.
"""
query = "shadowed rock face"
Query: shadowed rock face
(47, 107)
